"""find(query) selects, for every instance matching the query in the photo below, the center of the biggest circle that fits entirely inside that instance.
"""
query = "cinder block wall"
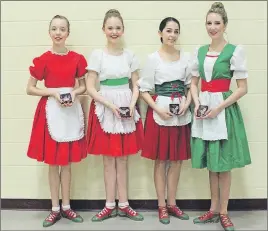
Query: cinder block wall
(25, 35)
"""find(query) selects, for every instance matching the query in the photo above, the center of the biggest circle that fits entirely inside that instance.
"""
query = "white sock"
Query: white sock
(56, 209)
(65, 207)
(110, 205)
(123, 205)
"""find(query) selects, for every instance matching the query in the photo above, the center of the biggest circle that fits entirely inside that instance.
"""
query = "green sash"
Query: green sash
(170, 88)
(115, 82)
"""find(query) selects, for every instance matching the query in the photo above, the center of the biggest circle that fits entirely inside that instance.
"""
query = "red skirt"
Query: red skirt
(165, 142)
(44, 149)
(115, 145)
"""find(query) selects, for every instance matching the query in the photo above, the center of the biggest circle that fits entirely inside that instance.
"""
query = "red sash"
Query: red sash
(216, 85)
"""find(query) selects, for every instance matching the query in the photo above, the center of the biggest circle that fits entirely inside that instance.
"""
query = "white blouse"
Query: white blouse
(215, 129)
(159, 71)
(112, 66)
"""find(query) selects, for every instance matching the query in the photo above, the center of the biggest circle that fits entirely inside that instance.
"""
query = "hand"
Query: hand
(115, 110)
(183, 109)
(212, 113)
(164, 114)
(56, 95)
(73, 95)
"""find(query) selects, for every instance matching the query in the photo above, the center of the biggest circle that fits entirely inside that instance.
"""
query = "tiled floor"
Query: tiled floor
(32, 220)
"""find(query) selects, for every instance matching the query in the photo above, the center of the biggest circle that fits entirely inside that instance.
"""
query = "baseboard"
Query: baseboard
(45, 204)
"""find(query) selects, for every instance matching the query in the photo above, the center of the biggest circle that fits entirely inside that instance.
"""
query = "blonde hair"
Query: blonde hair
(61, 17)
(218, 8)
(112, 13)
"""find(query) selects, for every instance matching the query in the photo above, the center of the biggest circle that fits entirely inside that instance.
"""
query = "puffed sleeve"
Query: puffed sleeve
(94, 61)
(239, 63)
(37, 70)
(146, 81)
(81, 67)
(188, 71)
(195, 64)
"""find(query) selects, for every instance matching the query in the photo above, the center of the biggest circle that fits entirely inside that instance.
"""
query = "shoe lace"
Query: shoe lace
(226, 220)
(51, 216)
(163, 212)
(177, 210)
(104, 211)
(71, 213)
(132, 211)
(205, 215)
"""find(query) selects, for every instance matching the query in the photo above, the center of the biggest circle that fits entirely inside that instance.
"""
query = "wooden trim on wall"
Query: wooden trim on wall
(45, 204)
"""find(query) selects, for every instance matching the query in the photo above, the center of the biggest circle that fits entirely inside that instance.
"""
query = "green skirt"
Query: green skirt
(223, 155)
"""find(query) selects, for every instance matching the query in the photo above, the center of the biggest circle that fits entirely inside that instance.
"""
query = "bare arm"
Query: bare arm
(135, 89)
(149, 100)
(188, 98)
(91, 89)
(82, 87)
(194, 90)
(242, 89)
(32, 89)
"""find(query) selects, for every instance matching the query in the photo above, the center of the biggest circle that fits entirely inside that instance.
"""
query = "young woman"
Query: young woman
(167, 125)
(114, 125)
(57, 137)
(219, 139)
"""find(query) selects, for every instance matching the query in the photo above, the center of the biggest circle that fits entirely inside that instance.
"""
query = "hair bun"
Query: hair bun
(112, 11)
(217, 5)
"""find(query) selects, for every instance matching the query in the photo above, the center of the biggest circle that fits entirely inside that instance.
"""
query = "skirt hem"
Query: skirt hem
(222, 170)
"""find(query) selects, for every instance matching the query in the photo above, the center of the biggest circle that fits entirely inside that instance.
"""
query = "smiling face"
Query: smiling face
(215, 26)
(113, 29)
(170, 33)
(59, 31)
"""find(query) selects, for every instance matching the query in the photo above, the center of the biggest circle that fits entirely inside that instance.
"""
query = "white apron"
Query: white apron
(65, 124)
(121, 97)
(175, 120)
(210, 129)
